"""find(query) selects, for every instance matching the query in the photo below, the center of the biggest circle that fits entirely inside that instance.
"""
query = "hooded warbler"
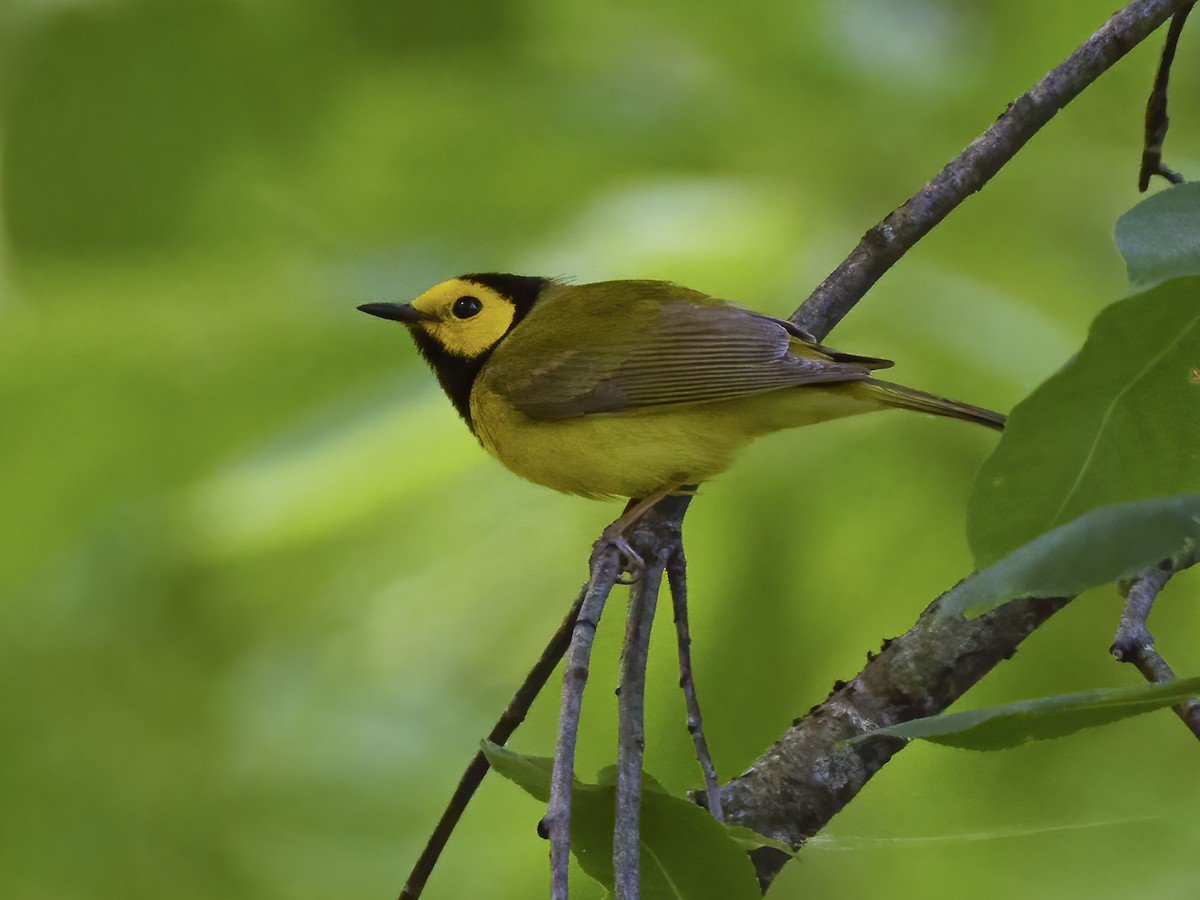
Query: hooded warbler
(632, 388)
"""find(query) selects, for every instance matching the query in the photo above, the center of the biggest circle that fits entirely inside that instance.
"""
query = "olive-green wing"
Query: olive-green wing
(657, 354)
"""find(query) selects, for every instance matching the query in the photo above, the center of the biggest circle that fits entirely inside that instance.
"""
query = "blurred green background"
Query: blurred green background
(261, 593)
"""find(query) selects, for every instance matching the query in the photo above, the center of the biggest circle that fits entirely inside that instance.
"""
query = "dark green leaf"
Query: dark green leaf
(1013, 724)
(1160, 237)
(686, 854)
(1119, 422)
(1106, 544)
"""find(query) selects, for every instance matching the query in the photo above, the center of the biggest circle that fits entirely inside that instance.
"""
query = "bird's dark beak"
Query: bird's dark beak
(397, 312)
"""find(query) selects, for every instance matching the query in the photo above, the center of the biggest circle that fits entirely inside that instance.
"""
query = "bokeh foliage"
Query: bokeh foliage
(260, 593)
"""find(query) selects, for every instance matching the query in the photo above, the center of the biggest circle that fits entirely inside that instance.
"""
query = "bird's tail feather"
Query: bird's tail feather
(908, 398)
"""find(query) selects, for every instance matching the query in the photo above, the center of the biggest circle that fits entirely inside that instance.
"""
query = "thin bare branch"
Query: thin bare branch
(1133, 642)
(513, 715)
(557, 822)
(886, 242)
(677, 578)
(1156, 110)
(631, 703)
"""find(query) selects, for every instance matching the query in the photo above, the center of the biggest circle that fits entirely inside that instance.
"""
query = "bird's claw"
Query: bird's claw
(631, 560)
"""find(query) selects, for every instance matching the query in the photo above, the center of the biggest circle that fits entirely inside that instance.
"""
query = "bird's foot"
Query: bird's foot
(631, 561)
(614, 535)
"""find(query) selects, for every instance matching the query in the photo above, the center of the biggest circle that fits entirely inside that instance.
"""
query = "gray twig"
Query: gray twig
(1156, 110)
(655, 537)
(677, 578)
(513, 715)
(556, 825)
(886, 242)
(643, 598)
(1133, 642)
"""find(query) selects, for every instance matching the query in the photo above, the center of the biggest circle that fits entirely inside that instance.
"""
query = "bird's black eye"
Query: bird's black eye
(465, 307)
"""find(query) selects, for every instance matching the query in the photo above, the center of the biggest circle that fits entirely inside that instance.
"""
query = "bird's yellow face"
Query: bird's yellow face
(466, 319)
(456, 325)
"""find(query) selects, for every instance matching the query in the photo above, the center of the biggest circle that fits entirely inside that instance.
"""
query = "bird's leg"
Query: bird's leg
(614, 534)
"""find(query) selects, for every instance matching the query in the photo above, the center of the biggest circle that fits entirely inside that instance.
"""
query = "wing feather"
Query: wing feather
(694, 349)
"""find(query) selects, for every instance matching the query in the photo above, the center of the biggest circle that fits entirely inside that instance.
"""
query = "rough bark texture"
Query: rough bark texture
(804, 778)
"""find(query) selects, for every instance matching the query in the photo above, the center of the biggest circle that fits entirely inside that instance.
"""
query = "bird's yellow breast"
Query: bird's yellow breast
(605, 455)
(635, 453)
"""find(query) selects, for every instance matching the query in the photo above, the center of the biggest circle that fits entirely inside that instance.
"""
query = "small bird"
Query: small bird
(632, 389)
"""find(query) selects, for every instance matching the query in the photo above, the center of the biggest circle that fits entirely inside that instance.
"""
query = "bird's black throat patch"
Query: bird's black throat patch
(457, 375)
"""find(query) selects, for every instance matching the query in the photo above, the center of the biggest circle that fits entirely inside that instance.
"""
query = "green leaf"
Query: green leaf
(1106, 544)
(1119, 422)
(1013, 724)
(531, 773)
(686, 854)
(1160, 237)
(749, 839)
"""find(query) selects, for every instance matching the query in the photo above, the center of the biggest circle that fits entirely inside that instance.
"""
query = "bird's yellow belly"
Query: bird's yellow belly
(637, 452)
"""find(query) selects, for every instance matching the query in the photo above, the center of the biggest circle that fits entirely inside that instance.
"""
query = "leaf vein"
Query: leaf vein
(1154, 361)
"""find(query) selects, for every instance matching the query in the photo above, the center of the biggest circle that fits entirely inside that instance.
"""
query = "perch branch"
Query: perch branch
(631, 703)
(556, 825)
